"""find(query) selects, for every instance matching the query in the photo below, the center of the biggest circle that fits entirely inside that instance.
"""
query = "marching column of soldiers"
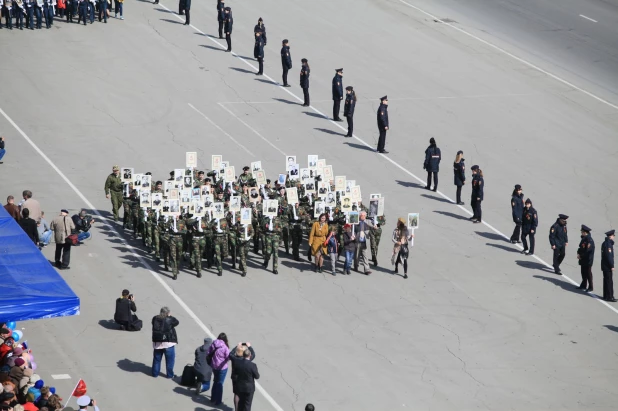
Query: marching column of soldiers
(174, 240)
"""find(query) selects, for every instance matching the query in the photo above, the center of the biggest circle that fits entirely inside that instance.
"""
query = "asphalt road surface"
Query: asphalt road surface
(476, 326)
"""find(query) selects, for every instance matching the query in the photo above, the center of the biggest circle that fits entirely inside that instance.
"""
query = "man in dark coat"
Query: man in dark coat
(258, 52)
(585, 255)
(125, 307)
(203, 371)
(432, 164)
(220, 16)
(29, 226)
(517, 211)
(286, 61)
(607, 266)
(244, 374)
(559, 239)
(228, 22)
(181, 7)
(382, 124)
(337, 93)
(305, 72)
(261, 28)
(188, 12)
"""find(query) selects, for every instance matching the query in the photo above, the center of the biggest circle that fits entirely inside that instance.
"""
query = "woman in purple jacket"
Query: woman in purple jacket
(220, 352)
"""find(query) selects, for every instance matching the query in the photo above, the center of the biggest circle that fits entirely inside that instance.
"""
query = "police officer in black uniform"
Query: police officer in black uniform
(260, 28)
(530, 221)
(305, 72)
(286, 61)
(585, 255)
(432, 164)
(478, 194)
(258, 52)
(559, 239)
(382, 124)
(517, 210)
(337, 93)
(607, 266)
(228, 22)
(348, 109)
(220, 16)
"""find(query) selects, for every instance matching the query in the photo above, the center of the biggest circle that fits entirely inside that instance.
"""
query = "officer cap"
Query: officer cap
(115, 168)
(517, 187)
(148, 173)
(349, 88)
(586, 228)
(383, 98)
(285, 41)
(200, 173)
(528, 201)
(159, 182)
(610, 233)
(260, 19)
(245, 168)
(228, 9)
(303, 60)
(339, 70)
(563, 216)
(474, 167)
(432, 141)
(172, 172)
(459, 152)
(267, 181)
(207, 180)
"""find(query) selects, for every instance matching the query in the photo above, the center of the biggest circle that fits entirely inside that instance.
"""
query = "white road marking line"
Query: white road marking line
(222, 130)
(521, 60)
(588, 18)
(142, 261)
(61, 376)
(595, 296)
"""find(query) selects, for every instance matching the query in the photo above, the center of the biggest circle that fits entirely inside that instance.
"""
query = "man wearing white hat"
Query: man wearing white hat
(84, 402)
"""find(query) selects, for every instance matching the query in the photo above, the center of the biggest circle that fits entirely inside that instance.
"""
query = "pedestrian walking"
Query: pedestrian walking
(530, 221)
(258, 52)
(219, 353)
(228, 23)
(382, 124)
(305, 71)
(348, 109)
(18, 11)
(607, 266)
(62, 227)
(559, 239)
(220, 15)
(459, 171)
(244, 374)
(102, 10)
(317, 241)
(164, 341)
(478, 191)
(362, 235)
(286, 61)
(113, 188)
(331, 248)
(337, 90)
(401, 249)
(517, 211)
(433, 156)
(349, 245)
(203, 370)
(187, 12)
(585, 255)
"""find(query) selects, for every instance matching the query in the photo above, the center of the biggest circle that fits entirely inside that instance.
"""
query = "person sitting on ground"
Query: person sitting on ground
(125, 307)
(82, 225)
(45, 232)
(29, 226)
(203, 370)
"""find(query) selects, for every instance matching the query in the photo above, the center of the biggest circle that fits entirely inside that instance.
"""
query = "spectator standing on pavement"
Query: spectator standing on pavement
(203, 370)
(220, 354)
(44, 231)
(164, 341)
(432, 164)
(11, 208)
(459, 170)
(2, 149)
(31, 204)
(82, 225)
(62, 226)
(29, 226)
(244, 374)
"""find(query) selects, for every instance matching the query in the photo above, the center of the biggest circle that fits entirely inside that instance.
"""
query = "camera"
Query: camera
(130, 296)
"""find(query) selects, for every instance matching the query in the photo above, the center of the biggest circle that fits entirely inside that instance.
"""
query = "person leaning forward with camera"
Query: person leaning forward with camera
(164, 341)
(82, 222)
(125, 307)
(85, 401)
(244, 374)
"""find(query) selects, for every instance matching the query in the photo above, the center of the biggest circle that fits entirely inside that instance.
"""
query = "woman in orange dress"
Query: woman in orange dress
(317, 239)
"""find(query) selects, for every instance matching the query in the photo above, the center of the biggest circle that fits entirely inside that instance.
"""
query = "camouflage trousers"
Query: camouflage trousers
(154, 234)
(197, 248)
(208, 251)
(127, 217)
(147, 234)
(242, 250)
(175, 246)
(233, 247)
(271, 247)
(375, 243)
(165, 248)
(221, 250)
(297, 239)
(256, 238)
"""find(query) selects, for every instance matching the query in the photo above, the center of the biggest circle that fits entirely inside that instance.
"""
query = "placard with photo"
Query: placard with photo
(294, 172)
(318, 208)
(309, 187)
(191, 159)
(234, 203)
(146, 182)
(290, 161)
(137, 180)
(165, 209)
(323, 189)
(144, 199)
(255, 166)
(185, 198)
(206, 189)
(373, 208)
(230, 174)
(157, 201)
(413, 220)
(196, 193)
(312, 161)
(340, 183)
(254, 194)
(179, 175)
(167, 186)
(292, 195)
(222, 167)
(305, 174)
(346, 204)
(281, 179)
(331, 199)
(353, 217)
(215, 162)
(355, 193)
(348, 185)
(174, 194)
(187, 182)
(372, 196)
(245, 216)
(218, 210)
(381, 206)
(260, 177)
(197, 208)
(208, 200)
(328, 173)
(127, 174)
(270, 208)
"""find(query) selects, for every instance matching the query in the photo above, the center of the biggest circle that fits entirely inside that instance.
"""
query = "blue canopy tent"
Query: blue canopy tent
(30, 288)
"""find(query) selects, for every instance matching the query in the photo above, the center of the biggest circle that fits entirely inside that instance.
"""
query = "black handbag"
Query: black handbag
(404, 250)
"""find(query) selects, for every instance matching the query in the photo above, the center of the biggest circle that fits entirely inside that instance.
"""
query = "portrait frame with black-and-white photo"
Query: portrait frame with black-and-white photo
(198, 208)
(185, 197)
(234, 204)
(309, 187)
(146, 182)
(291, 194)
(346, 204)
(179, 175)
(174, 207)
(157, 201)
(144, 199)
(218, 210)
(348, 186)
(312, 161)
(290, 162)
(323, 189)
(208, 200)
(127, 174)
(137, 180)
(271, 207)
(255, 166)
(246, 216)
(254, 194)
(305, 174)
(319, 207)
(167, 186)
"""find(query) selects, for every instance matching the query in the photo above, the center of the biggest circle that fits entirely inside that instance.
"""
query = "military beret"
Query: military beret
(517, 187)
(563, 216)
(585, 228)
(384, 98)
(245, 168)
(610, 233)
(474, 167)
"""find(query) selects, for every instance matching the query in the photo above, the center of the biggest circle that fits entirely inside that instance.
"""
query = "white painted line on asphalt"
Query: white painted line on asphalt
(588, 18)
(131, 249)
(222, 130)
(521, 60)
(495, 230)
(61, 376)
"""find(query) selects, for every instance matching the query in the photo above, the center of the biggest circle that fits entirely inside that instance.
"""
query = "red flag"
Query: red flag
(80, 389)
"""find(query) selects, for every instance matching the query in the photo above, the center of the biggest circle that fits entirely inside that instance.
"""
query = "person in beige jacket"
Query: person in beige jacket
(62, 227)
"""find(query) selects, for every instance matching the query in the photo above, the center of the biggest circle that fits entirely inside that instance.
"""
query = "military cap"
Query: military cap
(159, 182)
(149, 173)
(528, 201)
(267, 181)
(228, 9)
(610, 233)
(245, 168)
(383, 98)
(585, 228)
(285, 41)
(303, 60)
(200, 173)
(349, 88)
(339, 70)
(172, 172)
(517, 187)
(474, 167)
(563, 216)
(207, 180)
(115, 168)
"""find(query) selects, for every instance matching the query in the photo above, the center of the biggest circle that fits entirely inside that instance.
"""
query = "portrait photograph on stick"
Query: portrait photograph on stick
(157, 200)
(413, 220)
(215, 162)
(340, 183)
(255, 166)
(179, 174)
(353, 217)
(312, 160)
(191, 159)
(127, 175)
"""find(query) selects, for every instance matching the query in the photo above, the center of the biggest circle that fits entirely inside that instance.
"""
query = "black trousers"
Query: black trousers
(516, 232)
(350, 125)
(63, 250)
(608, 285)
(306, 96)
(244, 401)
(586, 272)
(261, 64)
(477, 211)
(336, 109)
(435, 179)
(458, 195)
(559, 253)
(228, 39)
(523, 239)
(399, 260)
(285, 76)
(188, 14)
(382, 139)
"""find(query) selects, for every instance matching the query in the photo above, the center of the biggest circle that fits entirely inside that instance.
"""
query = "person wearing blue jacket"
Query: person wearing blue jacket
(433, 156)
(258, 52)
(517, 207)
(331, 247)
(286, 61)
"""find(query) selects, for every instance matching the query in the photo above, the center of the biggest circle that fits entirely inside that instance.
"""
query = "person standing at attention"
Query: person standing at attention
(382, 124)
(337, 93)
(286, 61)
(607, 266)
(433, 156)
(517, 206)
(348, 109)
(258, 52)
(228, 23)
(459, 170)
(478, 191)
(305, 71)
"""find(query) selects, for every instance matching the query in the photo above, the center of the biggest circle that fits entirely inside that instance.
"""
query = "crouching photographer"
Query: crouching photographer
(83, 221)
(125, 307)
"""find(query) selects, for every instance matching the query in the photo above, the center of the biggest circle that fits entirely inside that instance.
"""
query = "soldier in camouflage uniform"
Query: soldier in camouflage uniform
(209, 243)
(243, 245)
(198, 179)
(256, 217)
(164, 237)
(284, 216)
(127, 221)
(220, 242)
(175, 243)
(196, 227)
(376, 234)
(232, 238)
(134, 199)
(245, 176)
(272, 232)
